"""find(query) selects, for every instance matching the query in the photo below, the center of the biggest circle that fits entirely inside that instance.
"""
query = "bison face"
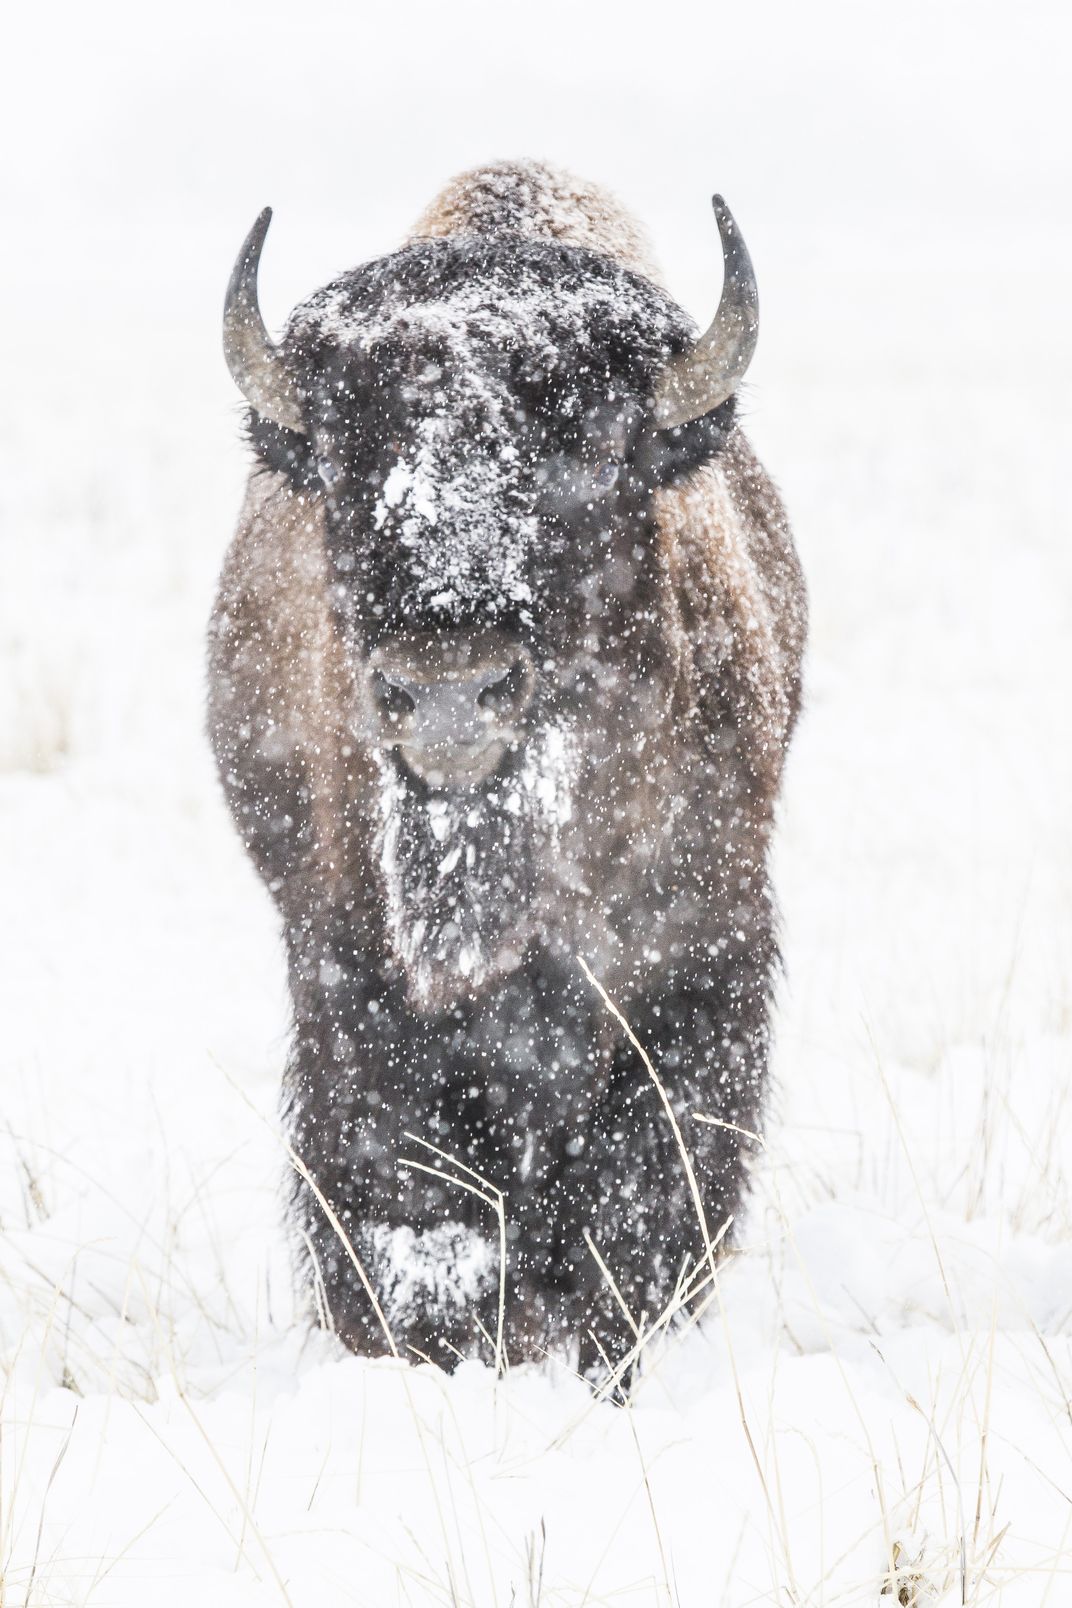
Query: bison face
(478, 424)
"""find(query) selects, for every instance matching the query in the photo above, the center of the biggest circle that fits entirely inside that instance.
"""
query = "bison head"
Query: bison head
(485, 421)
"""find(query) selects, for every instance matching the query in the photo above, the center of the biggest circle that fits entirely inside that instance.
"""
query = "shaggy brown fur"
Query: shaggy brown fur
(539, 202)
(677, 867)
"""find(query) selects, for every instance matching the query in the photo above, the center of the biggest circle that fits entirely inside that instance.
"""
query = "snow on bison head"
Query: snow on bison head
(485, 420)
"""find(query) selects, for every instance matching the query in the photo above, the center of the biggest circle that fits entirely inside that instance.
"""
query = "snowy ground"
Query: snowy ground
(888, 1372)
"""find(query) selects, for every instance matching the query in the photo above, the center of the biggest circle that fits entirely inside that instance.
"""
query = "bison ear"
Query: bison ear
(670, 455)
(281, 450)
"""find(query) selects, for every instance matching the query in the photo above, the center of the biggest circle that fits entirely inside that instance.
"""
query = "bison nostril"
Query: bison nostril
(393, 701)
(508, 693)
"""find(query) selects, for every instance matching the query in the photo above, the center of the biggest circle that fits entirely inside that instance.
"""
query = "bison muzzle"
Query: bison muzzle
(503, 667)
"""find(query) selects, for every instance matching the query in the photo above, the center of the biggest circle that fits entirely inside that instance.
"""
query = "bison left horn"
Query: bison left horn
(699, 379)
(255, 362)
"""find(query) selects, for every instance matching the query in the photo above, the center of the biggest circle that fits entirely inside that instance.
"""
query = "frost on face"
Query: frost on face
(460, 869)
(411, 491)
(450, 357)
(454, 512)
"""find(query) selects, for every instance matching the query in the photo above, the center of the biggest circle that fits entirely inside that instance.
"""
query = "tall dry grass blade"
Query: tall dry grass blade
(612, 1282)
(492, 1197)
(60, 1455)
(325, 1205)
(709, 1251)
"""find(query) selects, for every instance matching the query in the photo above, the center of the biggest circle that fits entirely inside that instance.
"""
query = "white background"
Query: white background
(898, 1318)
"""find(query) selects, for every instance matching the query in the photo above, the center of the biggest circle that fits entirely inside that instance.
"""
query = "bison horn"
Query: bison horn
(699, 379)
(253, 358)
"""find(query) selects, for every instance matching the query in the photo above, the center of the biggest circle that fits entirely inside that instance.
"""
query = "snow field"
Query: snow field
(883, 1379)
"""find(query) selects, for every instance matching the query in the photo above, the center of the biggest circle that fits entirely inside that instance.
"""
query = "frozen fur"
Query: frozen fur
(490, 371)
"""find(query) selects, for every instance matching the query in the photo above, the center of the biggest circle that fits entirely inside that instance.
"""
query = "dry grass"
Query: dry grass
(939, 1530)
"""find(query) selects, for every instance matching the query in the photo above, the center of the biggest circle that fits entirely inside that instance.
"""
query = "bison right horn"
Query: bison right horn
(698, 380)
(255, 362)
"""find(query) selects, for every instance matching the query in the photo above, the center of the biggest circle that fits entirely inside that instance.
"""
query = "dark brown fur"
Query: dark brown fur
(658, 879)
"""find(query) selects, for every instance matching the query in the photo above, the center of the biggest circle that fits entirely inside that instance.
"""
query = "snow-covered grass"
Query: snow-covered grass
(879, 1395)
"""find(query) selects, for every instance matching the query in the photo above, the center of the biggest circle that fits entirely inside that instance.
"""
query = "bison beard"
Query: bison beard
(460, 870)
(492, 439)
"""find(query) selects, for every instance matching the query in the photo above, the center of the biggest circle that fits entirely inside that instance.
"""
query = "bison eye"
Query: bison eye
(565, 483)
(327, 471)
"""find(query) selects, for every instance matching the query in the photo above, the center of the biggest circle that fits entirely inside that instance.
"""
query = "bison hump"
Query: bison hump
(539, 202)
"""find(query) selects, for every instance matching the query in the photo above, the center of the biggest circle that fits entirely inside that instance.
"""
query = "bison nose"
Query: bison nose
(450, 709)
(462, 707)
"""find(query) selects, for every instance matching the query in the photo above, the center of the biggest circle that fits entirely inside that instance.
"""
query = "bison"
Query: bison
(504, 663)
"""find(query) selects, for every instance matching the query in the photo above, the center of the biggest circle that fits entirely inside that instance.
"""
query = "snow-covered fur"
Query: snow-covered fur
(480, 457)
(540, 202)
